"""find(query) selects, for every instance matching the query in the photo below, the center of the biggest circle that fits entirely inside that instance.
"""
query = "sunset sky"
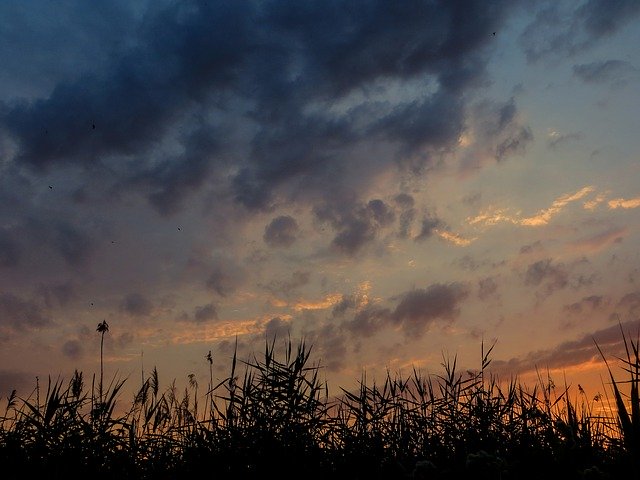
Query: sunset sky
(394, 182)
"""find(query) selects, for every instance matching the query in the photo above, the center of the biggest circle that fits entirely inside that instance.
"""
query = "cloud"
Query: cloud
(415, 311)
(288, 286)
(282, 231)
(563, 29)
(226, 276)
(356, 224)
(418, 309)
(9, 251)
(72, 349)
(556, 139)
(205, 313)
(269, 101)
(615, 72)
(571, 353)
(20, 315)
(487, 288)
(429, 226)
(277, 328)
(22, 382)
(136, 304)
(494, 132)
(405, 203)
(544, 273)
(599, 241)
(624, 203)
(544, 216)
(587, 304)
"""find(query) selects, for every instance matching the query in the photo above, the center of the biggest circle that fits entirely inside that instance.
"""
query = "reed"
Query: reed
(273, 415)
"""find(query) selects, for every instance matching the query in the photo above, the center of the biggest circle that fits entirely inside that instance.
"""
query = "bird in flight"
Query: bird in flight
(51, 187)
(494, 34)
(93, 126)
(179, 228)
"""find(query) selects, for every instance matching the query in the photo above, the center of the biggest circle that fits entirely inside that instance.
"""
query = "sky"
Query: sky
(395, 183)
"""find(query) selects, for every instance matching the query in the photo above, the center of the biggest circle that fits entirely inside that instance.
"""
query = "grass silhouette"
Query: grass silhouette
(273, 416)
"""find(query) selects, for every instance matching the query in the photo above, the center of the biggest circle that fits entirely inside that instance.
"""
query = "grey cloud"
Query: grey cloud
(558, 140)
(288, 286)
(417, 309)
(282, 231)
(226, 276)
(273, 69)
(276, 328)
(487, 287)
(136, 304)
(568, 28)
(368, 321)
(407, 213)
(205, 313)
(22, 382)
(629, 303)
(414, 312)
(571, 353)
(544, 272)
(356, 224)
(605, 71)
(9, 251)
(587, 304)
(72, 349)
(20, 315)
(57, 294)
(429, 224)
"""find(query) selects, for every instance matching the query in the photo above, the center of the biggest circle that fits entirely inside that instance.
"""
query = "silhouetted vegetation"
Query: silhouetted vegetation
(273, 417)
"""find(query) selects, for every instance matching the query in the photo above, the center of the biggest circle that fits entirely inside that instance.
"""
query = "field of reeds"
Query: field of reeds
(273, 416)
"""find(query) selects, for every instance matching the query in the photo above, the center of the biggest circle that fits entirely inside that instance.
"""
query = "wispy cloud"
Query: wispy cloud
(455, 238)
(493, 216)
(543, 216)
(624, 203)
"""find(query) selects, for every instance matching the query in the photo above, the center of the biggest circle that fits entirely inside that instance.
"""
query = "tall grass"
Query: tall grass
(273, 415)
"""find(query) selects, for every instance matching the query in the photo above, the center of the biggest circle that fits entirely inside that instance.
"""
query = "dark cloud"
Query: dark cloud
(22, 382)
(20, 315)
(417, 309)
(187, 74)
(368, 321)
(531, 248)
(356, 224)
(72, 349)
(9, 251)
(487, 288)
(568, 28)
(587, 304)
(405, 203)
(556, 141)
(136, 304)
(544, 273)
(629, 304)
(429, 224)
(606, 71)
(290, 285)
(346, 302)
(571, 353)
(57, 294)
(226, 276)
(205, 313)
(414, 312)
(277, 328)
(282, 231)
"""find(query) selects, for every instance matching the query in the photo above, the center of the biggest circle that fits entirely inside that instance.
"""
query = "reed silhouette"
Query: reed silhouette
(273, 415)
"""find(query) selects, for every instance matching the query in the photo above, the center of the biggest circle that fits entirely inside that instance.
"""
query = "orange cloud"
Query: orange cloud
(455, 238)
(622, 203)
(543, 216)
